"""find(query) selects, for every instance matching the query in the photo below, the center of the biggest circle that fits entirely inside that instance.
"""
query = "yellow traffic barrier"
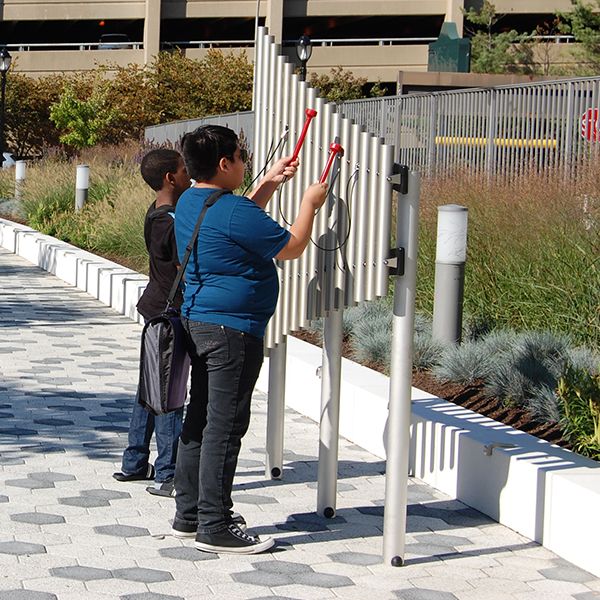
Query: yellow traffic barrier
(503, 142)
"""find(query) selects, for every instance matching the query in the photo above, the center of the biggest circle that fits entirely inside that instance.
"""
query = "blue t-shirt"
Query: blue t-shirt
(230, 279)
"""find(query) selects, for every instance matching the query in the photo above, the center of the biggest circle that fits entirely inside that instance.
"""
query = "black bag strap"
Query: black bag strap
(188, 249)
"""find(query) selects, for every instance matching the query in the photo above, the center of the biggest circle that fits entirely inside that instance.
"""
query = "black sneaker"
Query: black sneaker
(232, 540)
(166, 488)
(188, 530)
(147, 475)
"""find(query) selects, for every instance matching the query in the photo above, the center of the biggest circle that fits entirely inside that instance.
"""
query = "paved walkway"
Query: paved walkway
(69, 531)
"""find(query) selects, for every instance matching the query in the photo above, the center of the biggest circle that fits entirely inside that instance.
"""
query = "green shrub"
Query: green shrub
(534, 360)
(579, 394)
(465, 364)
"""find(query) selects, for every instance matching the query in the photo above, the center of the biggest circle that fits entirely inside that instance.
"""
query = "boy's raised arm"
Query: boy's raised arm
(281, 171)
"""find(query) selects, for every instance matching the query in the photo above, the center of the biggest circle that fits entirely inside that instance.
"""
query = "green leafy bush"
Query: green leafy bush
(579, 394)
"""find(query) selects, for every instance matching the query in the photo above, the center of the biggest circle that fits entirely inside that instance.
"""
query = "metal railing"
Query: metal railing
(502, 130)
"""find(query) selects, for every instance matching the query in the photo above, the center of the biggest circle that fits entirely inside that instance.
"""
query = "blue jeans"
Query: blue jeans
(225, 366)
(167, 429)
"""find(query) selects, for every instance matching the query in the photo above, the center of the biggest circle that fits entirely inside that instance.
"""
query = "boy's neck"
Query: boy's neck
(165, 198)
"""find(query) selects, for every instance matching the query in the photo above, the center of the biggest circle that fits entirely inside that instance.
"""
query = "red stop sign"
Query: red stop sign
(589, 125)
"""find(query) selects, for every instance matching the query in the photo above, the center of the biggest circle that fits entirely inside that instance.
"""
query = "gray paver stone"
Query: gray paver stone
(255, 499)
(122, 530)
(282, 566)
(37, 518)
(25, 595)
(262, 578)
(150, 596)
(356, 558)
(185, 553)
(81, 573)
(566, 573)
(21, 548)
(142, 575)
(322, 580)
(440, 539)
(83, 502)
(30, 484)
(421, 594)
(105, 494)
(53, 477)
(587, 596)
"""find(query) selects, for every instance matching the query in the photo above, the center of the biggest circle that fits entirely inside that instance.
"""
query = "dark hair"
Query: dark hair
(205, 147)
(156, 164)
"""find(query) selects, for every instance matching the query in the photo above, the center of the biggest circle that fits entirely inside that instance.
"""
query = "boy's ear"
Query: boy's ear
(223, 164)
(169, 179)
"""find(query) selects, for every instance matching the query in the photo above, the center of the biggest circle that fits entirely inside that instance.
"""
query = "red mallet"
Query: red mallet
(334, 150)
(310, 115)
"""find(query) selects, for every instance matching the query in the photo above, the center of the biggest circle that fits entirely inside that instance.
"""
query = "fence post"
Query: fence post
(20, 172)
(490, 159)
(398, 425)
(431, 149)
(82, 184)
(451, 250)
(568, 144)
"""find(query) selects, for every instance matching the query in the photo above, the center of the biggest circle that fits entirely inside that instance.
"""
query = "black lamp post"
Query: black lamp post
(303, 50)
(5, 59)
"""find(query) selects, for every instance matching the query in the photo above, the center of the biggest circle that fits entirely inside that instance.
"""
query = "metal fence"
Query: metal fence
(504, 130)
(171, 133)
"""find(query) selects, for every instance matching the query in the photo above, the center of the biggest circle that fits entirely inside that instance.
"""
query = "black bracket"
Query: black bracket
(395, 262)
(399, 178)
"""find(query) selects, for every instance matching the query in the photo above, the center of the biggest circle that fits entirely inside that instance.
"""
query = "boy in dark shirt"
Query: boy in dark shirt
(164, 171)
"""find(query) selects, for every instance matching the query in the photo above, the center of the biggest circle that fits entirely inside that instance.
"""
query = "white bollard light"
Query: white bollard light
(20, 169)
(450, 258)
(82, 184)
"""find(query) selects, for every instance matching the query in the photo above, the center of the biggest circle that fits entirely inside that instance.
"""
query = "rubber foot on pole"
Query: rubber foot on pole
(397, 561)
(329, 513)
(276, 472)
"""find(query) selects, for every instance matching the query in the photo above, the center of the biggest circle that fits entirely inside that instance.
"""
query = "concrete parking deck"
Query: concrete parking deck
(68, 530)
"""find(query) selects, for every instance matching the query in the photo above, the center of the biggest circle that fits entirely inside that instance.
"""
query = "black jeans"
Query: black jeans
(225, 366)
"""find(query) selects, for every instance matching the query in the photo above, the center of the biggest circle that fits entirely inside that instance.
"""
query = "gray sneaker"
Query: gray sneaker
(164, 488)
(232, 540)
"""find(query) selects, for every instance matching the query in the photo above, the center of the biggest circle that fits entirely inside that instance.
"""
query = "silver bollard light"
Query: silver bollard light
(82, 184)
(20, 171)
(450, 258)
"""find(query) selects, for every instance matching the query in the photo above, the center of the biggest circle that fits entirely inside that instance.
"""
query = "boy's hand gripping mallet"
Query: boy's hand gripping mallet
(334, 150)
(310, 115)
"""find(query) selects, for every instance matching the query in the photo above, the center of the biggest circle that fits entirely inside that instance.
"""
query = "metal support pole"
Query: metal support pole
(450, 260)
(2, 117)
(20, 170)
(330, 413)
(82, 184)
(276, 411)
(398, 442)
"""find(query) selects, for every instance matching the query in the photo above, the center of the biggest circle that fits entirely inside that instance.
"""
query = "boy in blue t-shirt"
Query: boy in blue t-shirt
(164, 171)
(231, 293)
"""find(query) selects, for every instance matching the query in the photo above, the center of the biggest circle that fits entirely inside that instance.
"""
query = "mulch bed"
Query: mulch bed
(471, 397)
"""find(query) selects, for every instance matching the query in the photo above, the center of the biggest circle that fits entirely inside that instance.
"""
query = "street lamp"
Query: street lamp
(303, 50)
(5, 59)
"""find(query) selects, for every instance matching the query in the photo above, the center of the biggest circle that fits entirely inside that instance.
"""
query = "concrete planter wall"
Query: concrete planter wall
(542, 491)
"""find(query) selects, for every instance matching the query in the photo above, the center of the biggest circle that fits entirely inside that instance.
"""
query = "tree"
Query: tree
(496, 52)
(28, 125)
(583, 22)
(340, 85)
(83, 122)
